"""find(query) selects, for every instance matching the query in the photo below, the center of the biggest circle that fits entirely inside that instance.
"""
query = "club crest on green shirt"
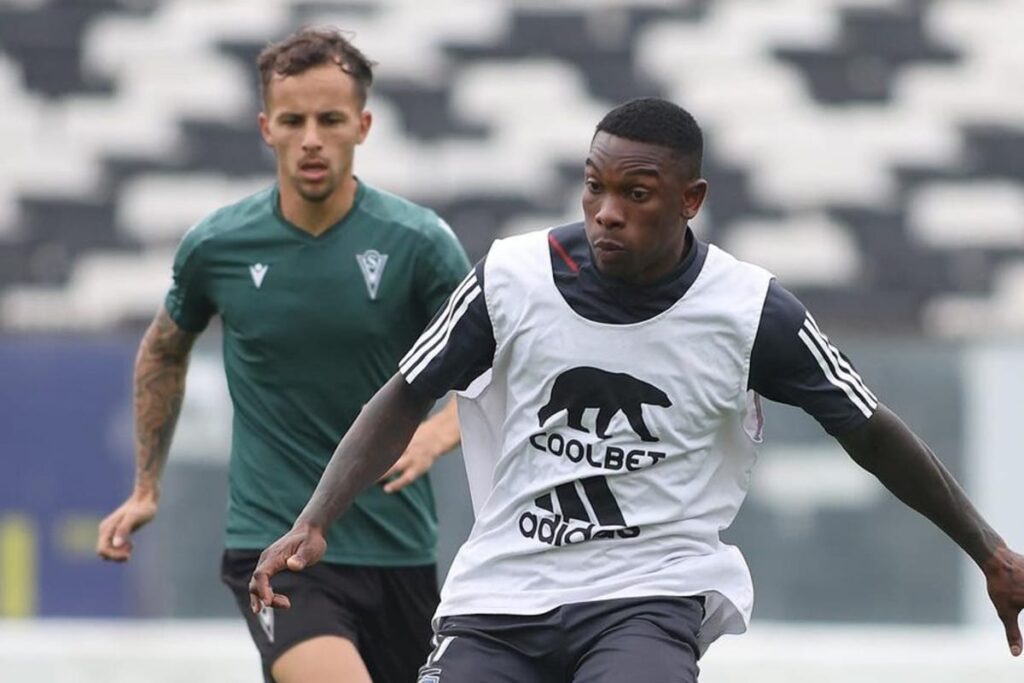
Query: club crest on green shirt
(371, 263)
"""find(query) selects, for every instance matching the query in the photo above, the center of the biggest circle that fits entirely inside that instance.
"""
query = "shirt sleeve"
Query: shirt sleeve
(441, 267)
(458, 345)
(187, 302)
(793, 362)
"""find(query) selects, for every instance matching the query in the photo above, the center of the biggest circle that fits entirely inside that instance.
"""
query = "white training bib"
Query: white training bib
(604, 460)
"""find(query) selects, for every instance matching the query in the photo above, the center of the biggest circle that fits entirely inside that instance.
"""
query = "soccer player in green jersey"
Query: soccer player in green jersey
(322, 283)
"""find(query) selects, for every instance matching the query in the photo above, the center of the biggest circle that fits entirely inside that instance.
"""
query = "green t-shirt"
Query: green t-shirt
(313, 327)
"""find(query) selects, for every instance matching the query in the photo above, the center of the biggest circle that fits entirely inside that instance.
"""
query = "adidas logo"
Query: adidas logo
(574, 508)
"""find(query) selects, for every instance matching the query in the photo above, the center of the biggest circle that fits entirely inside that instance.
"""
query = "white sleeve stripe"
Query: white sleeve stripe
(437, 344)
(831, 354)
(435, 327)
(827, 369)
(467, 282)
(842, 368)
(839, 358)
(439, 337)
(414, 368)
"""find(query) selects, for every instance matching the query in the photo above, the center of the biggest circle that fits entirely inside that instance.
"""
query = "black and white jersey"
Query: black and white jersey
(609, 430)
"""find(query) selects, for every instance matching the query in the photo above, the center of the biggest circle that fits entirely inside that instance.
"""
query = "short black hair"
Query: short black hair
(310, 47)
(658, 122)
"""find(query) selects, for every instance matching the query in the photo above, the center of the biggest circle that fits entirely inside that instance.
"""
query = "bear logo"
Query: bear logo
(581, 388)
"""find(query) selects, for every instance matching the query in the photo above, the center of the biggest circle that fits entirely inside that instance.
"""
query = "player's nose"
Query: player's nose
(311, 137)
(609, 214)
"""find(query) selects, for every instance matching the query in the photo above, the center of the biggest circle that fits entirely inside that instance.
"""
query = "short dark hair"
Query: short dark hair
(658, 122)
(310, 47)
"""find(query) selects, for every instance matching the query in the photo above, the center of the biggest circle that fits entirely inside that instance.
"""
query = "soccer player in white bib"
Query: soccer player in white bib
(609, 375)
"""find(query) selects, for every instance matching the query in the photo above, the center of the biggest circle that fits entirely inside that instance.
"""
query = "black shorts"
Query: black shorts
(641, 640)
(384, 611)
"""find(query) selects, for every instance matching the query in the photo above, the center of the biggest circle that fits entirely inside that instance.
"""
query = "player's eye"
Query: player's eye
(639, 194)
(592, 185)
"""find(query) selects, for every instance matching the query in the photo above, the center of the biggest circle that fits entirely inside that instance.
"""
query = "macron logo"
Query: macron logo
(258, 272)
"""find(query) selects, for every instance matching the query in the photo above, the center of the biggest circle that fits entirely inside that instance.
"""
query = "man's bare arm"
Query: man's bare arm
(378, 436)
(373, 443)
(159, 388)
(907, 467)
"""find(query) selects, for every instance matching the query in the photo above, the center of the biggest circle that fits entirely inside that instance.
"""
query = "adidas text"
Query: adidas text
(557, 531)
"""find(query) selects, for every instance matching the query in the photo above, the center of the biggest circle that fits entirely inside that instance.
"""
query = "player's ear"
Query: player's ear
(694, 192)
(365, 121)
(264, 124)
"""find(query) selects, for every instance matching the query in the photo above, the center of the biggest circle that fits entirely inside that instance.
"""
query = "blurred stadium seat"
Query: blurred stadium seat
(865, 142)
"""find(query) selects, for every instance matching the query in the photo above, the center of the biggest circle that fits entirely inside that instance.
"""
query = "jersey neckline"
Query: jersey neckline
(570, 263)
(275, 201)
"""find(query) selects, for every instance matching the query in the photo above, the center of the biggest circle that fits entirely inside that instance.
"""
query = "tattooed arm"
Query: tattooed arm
(159, 387)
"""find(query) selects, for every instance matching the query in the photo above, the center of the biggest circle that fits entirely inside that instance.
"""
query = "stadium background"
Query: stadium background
(869, 152)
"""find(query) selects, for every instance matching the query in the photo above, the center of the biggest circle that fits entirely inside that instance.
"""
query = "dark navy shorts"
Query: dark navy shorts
(640, 640)
(384, 611)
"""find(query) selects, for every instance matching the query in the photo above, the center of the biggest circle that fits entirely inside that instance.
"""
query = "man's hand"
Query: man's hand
(432, 439)
(115, 532)
(419, 456)
(301, 547)
(1004, 574)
